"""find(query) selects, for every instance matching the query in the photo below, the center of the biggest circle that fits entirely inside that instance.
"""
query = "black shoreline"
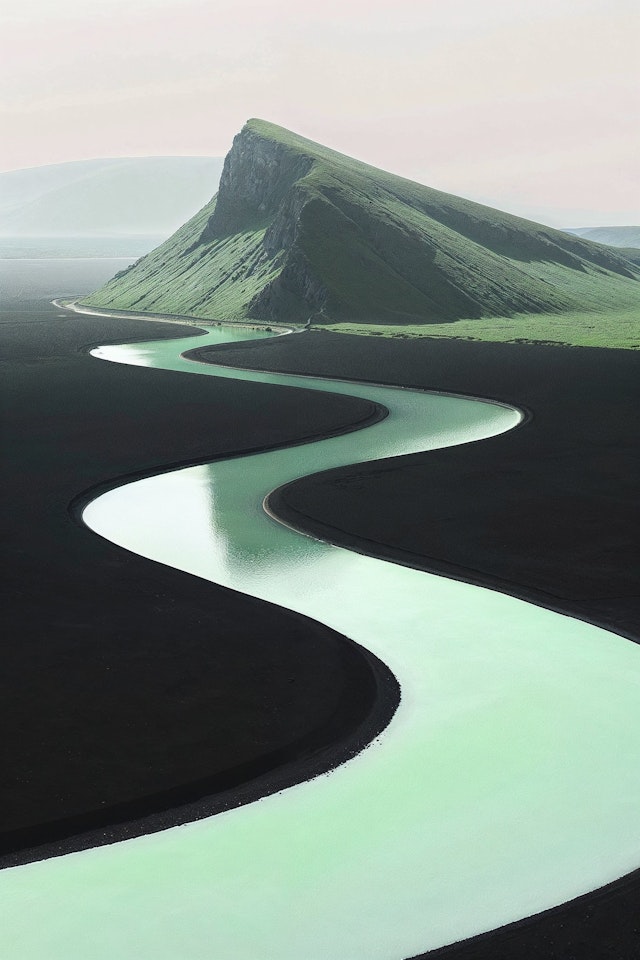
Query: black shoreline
(277, 503)
(375, 697)
(177, 657)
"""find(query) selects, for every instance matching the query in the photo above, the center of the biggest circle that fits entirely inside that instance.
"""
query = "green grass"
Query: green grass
(610, 319)
(618, 329)
(179, 280)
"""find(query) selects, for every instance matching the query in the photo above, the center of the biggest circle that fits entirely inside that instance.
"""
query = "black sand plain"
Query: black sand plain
(110, 663)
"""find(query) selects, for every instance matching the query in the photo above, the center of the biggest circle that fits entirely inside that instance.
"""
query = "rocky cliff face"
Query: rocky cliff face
(261, 188)
(256, 180)
(296, 294)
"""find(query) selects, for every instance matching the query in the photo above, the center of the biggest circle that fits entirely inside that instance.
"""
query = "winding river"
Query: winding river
(506, 783)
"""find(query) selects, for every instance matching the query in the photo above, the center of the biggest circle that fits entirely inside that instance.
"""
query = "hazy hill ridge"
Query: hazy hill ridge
(297, 229)
(628, 237)
(136, 195)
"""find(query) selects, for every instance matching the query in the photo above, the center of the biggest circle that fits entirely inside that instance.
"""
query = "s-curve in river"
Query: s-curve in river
(507, 782)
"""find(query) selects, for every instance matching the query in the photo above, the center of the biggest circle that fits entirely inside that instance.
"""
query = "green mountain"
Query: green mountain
(298, 230)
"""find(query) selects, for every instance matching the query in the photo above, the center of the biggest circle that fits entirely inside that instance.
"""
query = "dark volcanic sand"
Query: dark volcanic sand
(126, 687)
(548, 512)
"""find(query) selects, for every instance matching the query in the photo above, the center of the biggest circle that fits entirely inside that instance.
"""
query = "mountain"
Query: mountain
(106, 198)
(614, 236)
(298, 230)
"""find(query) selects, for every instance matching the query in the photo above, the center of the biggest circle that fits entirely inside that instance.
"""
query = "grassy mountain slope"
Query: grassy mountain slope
(139, 195)
(297, 230)
(631, 253)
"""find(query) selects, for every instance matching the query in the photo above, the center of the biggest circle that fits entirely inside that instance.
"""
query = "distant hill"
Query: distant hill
(106, 198)
(128, 245)
(298, 230)
(614, 236)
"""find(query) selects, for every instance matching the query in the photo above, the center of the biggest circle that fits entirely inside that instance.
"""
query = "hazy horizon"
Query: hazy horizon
(528, 110)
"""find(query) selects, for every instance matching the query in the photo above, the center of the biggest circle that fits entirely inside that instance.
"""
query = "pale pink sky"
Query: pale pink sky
(529, 106)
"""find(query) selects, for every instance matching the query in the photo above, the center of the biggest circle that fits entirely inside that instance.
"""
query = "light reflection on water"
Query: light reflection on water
(499, 788)
(225, 498)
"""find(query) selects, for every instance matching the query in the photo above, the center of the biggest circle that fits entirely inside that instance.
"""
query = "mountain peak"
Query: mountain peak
(258, 173)
(298, 228)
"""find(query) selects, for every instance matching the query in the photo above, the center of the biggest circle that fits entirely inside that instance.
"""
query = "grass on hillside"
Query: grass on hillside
(616, 329)
(177, 278)
(610, 317)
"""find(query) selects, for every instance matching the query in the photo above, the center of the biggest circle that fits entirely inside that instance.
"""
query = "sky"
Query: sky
(530, 107)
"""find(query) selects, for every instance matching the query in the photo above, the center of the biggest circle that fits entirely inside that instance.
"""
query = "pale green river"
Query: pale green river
(507, 782)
